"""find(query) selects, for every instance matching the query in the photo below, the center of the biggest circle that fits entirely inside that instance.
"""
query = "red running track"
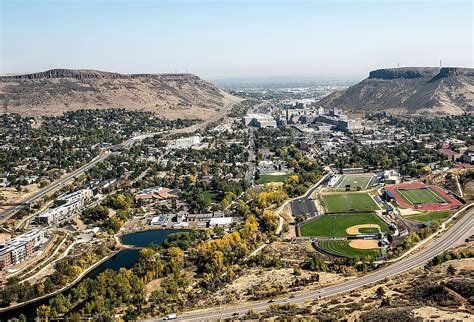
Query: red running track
(452, 202)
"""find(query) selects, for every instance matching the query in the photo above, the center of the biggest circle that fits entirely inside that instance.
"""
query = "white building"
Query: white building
(36, 236)
(16, 250)
(468, 157)
(57, 214)
(391, 177)
(259, 120)
(159, 221)
(80, 195)
(220, 222)
(186, 143)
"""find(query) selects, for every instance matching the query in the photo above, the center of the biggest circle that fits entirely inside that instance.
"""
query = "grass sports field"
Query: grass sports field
(355, 181)
(267, 178)
(435, 216)
(420, 196)
(347, 202)
(342, 248)
(336, 226)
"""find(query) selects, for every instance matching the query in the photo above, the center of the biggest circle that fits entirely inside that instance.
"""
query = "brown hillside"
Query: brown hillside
(59, 90)
(417, 90)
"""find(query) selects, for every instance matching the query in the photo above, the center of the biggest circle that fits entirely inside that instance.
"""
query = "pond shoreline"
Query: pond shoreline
(138, 240)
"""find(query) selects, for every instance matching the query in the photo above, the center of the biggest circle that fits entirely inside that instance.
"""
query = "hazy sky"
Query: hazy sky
(227, 39)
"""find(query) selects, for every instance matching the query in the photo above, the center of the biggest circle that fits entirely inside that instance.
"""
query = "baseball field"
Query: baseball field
(341, 225)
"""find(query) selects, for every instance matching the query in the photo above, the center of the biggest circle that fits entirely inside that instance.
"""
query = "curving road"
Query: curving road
(453, 236)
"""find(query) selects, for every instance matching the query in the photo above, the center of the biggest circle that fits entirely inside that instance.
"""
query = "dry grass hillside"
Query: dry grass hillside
(417, 90)
(59, 90)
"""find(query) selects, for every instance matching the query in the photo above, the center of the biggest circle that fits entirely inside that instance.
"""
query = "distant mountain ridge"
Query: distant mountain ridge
(410, 90)
(58, 90)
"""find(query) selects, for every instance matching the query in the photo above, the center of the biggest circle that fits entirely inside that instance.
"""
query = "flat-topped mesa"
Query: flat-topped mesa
(405, 72)
(83, 74)
(453, 71)
(427, 91)
(56, 91)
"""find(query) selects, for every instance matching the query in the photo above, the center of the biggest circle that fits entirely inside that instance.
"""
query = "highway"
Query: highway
(450, 238)
(6, 214)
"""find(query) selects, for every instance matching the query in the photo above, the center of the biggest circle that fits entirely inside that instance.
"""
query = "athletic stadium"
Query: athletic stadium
(421, 196)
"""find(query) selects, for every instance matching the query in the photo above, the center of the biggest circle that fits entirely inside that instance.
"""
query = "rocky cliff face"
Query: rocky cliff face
(58, 90)
(416, 90)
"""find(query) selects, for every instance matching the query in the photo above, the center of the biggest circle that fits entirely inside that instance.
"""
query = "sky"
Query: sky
(235, 39)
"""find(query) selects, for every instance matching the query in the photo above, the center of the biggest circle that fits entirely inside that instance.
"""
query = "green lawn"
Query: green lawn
(267, 178)
(347, 202)
(435, 216)
(213, 195)
(354, 181)
(420, 196)
(325, 225)
(368, 230)
(342, 248)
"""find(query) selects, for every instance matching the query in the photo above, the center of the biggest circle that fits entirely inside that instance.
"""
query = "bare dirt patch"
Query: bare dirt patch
(409, 212)
(259, 283)
(354, 230)
(441, 315)
(11, 195)
(364, 244)
(285, 250)
(4, 237)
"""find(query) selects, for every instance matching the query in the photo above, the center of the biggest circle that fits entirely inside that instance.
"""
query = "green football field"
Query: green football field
(336, 225)
(420, 196)
(267, 178)
(354, 181)
(348, 202)
(342, 248)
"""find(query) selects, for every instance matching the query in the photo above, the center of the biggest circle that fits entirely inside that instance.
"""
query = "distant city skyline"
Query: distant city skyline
(235, 39)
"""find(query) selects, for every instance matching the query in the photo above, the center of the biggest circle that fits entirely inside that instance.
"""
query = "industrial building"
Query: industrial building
(259, 120)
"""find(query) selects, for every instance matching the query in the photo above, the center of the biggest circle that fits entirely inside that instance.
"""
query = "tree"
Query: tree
(451, 270)
(176, 258)
(386, 302)
(316, 263)
(380, 292)
(44, 312)
(250, 230)
(96, 214)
